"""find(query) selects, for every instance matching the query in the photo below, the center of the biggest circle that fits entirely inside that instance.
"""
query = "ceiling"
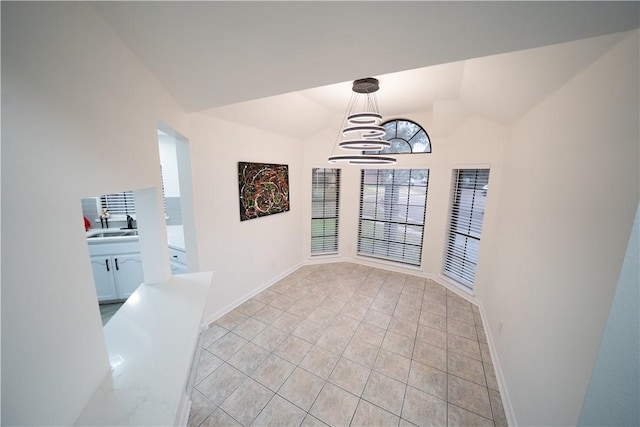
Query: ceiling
(287, 67)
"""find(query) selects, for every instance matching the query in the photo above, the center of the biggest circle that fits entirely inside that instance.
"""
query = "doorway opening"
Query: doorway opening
(143, 235)
(177, 189)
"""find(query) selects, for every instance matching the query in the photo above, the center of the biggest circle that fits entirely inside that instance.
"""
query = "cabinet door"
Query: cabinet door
(178, 256)
(178, 260)
(102, 267)
(128, 274)
(178, 268)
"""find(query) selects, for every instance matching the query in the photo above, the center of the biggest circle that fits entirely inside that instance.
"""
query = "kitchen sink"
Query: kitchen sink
(117, 233)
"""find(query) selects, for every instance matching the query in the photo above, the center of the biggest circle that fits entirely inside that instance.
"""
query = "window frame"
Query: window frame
(460, 261)
(388, 137)
(388, 236)
(325, 210)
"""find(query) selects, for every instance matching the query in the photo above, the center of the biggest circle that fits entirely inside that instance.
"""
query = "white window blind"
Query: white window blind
(392, 214)
(119, 203)
(325, 201)
(468, 199)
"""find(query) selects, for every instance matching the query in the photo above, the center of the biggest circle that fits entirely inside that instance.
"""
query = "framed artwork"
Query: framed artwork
(264, 189)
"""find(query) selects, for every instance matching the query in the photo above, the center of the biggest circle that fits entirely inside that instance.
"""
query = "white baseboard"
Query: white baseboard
(216, 315)
(497, 367)
(328, 259)
(441, 280)
(182, 417)
(459, 290)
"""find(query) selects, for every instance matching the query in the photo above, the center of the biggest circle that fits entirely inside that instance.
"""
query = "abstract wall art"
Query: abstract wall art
(264, 189)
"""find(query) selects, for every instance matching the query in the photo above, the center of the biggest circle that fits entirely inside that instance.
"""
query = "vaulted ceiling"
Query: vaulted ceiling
(287, 67)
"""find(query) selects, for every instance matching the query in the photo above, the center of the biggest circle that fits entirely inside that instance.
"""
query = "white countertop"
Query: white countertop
(151, 343)
(175, 236)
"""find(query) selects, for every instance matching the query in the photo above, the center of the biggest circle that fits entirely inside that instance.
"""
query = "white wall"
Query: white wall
(563, 190)
(614, 390)
(243, 255)
(476, 143)
(79, 117)
(169, 162)
(569, 193)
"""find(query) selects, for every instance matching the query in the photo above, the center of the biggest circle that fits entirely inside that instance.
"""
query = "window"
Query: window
(325, 200)
(119, 203)
(465, 224)
(405, 136)
(122, 204)
(392, 212)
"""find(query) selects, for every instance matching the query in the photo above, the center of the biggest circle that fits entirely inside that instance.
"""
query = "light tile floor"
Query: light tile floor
(108, 310)
(343, 344)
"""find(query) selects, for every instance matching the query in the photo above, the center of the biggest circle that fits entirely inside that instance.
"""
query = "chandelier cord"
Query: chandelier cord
(350, 106)
(366, 123)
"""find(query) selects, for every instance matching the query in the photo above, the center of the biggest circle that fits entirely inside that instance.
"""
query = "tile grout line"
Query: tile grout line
(307, 412)
(275, 393)
(359, 319)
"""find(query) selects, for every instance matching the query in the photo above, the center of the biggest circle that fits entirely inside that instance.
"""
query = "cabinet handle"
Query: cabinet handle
(175, 256)
(117, 268)
(106, 261)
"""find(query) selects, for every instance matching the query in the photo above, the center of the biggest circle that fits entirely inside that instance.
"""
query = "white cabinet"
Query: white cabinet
(178, 260)
(117, 268)
(103, 278)
(128, 274)
(116, 276)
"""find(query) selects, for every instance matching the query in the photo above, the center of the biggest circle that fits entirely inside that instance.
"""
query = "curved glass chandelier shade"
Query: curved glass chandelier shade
(365, 119)
(364, 144)
(363, 159)
(362, 126)
(369, 131)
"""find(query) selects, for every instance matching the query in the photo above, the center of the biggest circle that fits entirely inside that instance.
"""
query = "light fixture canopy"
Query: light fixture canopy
(362, 125)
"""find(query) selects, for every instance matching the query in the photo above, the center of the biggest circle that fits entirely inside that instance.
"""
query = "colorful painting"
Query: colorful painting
(264, 189)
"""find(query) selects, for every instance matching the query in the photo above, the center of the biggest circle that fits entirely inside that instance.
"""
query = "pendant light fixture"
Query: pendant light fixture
(361, 127)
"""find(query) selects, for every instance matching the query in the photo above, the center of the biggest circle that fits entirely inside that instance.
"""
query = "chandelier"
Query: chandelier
(361, 127)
